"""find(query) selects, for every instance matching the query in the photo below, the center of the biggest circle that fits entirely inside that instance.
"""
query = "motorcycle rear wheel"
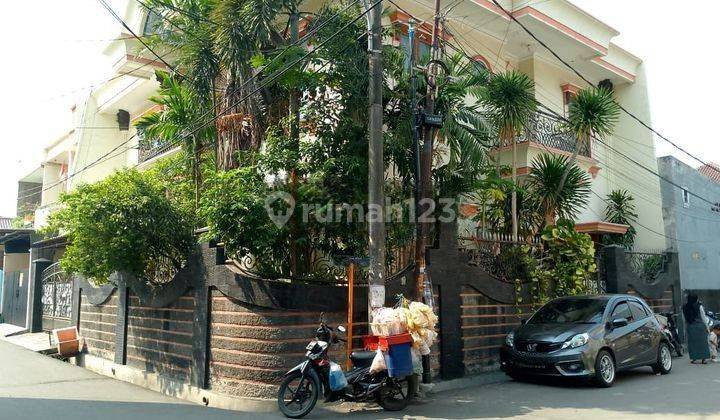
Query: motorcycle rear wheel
(297, 395)
(394, 395)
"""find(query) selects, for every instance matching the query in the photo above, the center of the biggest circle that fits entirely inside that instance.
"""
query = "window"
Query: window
(686, 198)
(570, 311)
(422, 50)
(569, 91)
(638, 310)
(622, 311)
(481, 64)
(153, 24)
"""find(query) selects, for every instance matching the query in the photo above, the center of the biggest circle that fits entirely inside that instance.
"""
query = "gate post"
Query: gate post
(35, 321)
(121, 321)
(611, 256)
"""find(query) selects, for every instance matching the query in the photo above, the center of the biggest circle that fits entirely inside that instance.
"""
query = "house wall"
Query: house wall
(635, 141)
(29, 196)
(693, 231)
(93, 144)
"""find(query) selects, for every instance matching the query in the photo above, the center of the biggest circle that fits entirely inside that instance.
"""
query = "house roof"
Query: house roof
(711, 170)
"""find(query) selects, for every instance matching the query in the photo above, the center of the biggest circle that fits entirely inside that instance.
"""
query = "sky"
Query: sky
(52, 53)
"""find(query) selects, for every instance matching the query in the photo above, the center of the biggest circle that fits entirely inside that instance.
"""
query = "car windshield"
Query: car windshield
(570, 311)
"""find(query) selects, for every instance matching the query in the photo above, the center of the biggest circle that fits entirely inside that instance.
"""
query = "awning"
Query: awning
(600, 228)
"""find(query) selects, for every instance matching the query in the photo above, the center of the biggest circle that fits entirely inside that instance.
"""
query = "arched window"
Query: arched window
(482, 63)
(153, 23)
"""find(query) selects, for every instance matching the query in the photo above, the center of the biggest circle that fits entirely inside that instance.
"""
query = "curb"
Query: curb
(480, 379)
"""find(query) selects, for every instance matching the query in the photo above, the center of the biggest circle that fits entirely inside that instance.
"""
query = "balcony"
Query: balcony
(550, 134)
(152, 148)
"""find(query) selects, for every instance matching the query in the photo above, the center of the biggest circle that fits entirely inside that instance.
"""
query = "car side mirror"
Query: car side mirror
(618, 323)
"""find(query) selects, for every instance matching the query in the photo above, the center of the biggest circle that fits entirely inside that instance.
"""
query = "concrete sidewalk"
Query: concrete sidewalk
(33, 386)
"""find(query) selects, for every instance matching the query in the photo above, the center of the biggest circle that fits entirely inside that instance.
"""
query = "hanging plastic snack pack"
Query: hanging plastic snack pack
(337, 378)
(416, 361)
(378, 364)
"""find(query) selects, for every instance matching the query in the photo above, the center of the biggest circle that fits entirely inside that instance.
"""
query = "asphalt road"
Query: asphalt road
(37, 387)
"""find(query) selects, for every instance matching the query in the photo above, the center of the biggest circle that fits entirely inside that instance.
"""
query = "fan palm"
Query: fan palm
(510, 99)
(181, 109)
(621, 210)
(546, 179)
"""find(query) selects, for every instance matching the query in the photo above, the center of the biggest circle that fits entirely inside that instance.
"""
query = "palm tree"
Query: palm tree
(244, 29)
(511, 101)
(621, 210)
(181, 109)
(593, 112)
(189, 36)
(545, 180)
(465, 130)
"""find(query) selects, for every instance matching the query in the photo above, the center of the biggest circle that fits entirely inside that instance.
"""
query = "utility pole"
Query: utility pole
(376, 165)
(294, 114)
(424, 206)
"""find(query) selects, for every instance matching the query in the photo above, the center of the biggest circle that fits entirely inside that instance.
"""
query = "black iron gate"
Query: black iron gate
(57, 290)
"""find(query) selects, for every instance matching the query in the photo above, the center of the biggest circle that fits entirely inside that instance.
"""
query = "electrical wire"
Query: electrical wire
(266, 81)
(580, 75)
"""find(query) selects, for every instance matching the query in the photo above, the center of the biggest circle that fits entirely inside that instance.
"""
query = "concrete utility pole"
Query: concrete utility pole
(294, 111)
(426, 170)
(376, 166)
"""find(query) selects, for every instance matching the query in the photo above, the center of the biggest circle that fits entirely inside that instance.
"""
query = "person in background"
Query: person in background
(714, 333)
(697, 330)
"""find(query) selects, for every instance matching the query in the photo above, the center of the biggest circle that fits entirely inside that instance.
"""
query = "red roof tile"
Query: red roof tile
(711, 170)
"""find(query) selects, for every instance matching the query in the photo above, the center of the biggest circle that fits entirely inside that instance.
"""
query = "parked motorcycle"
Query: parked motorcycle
(670, 329)
(303, 384)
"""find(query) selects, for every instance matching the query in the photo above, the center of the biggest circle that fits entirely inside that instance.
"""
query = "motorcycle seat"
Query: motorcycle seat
(362, 357)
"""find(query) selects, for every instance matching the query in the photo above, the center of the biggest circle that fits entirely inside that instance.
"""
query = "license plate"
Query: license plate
(529, 365)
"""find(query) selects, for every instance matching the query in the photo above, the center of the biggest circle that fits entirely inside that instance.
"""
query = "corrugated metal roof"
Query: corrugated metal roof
(6, 223)
(712, 171)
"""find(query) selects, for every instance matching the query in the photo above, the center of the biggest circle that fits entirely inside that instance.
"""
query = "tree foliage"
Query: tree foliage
(569, 267)
(621, 210)
(545, 181)
(122, 223)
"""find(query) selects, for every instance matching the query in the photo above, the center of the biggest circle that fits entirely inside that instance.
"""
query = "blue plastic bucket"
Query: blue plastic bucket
(399, 360)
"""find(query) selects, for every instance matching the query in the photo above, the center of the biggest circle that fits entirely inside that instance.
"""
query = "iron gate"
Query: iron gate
(57, 290)
(15, 297)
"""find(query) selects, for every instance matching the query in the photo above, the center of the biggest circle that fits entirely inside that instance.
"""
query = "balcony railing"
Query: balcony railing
(549, 132)
(150, 148)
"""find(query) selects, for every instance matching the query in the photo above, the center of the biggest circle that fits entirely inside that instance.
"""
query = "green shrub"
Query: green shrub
(122, 223)
(567, 268)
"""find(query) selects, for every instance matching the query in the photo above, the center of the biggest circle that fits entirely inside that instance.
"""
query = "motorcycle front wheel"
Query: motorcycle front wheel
(394, 395)
(297, 395)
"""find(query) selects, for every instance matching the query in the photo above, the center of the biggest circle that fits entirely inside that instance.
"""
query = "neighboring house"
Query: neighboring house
(499, 44)
(692, 225)
(711, 170)
(14, 277)
(99, 140)
(102, 137)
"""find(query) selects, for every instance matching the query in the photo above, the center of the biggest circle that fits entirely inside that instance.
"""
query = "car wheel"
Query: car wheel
(604, 369)
(663, 365)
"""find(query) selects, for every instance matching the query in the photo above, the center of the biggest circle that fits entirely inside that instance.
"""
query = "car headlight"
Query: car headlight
(510, 339)
(576, 341)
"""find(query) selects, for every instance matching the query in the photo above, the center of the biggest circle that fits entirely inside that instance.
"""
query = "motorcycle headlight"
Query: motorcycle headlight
(576, 341)
(510, 339)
